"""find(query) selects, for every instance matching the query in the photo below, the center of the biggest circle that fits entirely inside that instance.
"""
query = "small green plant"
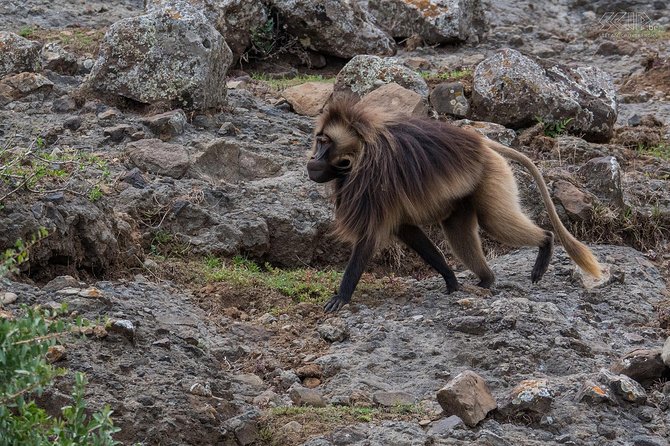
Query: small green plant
(24, 372)
(13, 257)
(661, 150)
(446, 75)
(95, 193)
(553, 129)
(264, 38)
(27, 32)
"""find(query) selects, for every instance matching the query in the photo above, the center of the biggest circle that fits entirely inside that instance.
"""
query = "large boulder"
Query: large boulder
(435, 21)
(342, 29)
(236, 20)
(364, 73)
(17, 54)
(515, 90)
(171, 54)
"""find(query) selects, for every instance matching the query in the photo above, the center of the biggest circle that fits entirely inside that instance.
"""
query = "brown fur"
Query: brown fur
(410, 171)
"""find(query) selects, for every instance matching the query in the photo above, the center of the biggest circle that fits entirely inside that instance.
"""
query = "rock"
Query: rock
(134, 178)
(514, 90)
(623, 386)
(394, 97)
(334, 330)
(109, 114)
(468, 397)
(56, 58)
(170, 54)
(7, 298)
(577, 204)
(166, 125)
(364, 73)
(123, 327)
(311, 383)
(620, 48)
(267, 399)
(306, 397)
(444, 425)
(250, 379)
(236, 20)
(244, 427)
(434, 21)
(287, 378)
(449, 98)
(644, 366)
(603, 177)
(158, 157)
(393, 399)
(665, 354)
(91, 293)
(201, 389)
(593, 393)
(21, 85)
(491, 130)
(72, 123)
(308, 99)
(309, 371)
(530, 397)
(646, 440)
(55, 353)
(342, 29)
(17, 54)
(64, 104)
(117, 133)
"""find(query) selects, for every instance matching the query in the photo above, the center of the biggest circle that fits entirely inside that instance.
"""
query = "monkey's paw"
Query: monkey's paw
(335, 303)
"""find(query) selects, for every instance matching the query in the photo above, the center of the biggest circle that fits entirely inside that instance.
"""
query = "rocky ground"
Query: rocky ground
(151, 195)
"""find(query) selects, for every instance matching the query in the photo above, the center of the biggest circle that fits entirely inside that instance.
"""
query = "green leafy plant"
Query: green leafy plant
(553, 129)
(24, 372)
(661, 150)
(11, 258)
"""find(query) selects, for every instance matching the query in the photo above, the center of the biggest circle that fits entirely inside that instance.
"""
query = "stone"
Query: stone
(468, 397)
(266, 399)
(201, 389)
(593, 393)
(394, 97)
(64, 104)
(306, 397)
(622, 48)
(491, 130)
(665, 354)
(117, 133)
(364, 73)
(333, 330)
(55, 353)
(244, 427)
(72, 123)
(393, 399)
(449, 98)
(224, 160)
(59, 283)
(434, 21)
(134, 178)
(17, 54)
(250, 379)
(602, 176)
(646, 440)
(311, 383)
(624, 387)
(514, 90)
(166, 125)
(529, 397)
(56, 58)
(444, 425)
(123, 327)
(308, 99)
(309, 371)
(158, 157)
(334, 27)
(7, 298)
(577, 204)
(644, 366)
(171, 54)
(91, 293)
(21, 85)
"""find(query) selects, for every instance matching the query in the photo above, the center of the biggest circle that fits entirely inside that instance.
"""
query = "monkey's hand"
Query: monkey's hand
(336, 303)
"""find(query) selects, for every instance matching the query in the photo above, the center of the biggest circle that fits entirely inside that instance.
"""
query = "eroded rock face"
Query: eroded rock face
(364, 73)
(435, 21)
(17, 54)
(342, 29)
(514, 90)
(170, 54)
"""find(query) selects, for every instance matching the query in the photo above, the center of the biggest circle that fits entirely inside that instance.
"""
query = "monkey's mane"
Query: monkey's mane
(406, 168)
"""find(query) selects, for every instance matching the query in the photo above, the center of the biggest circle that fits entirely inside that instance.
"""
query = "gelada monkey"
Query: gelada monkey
(391, 173)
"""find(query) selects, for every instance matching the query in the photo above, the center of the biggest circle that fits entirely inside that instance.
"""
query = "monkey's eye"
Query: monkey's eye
(343, 164)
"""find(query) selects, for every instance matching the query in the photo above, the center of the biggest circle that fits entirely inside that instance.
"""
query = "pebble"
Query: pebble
(302, 396)
(123, 327)
(8, 298)
(392, 399)
(623, 386)
(334, 330)
(201, 389)
(55, 353)
(445, 425)
(468, 397)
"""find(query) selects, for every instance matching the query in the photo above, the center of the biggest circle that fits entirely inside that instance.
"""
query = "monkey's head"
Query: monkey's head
(336, 149)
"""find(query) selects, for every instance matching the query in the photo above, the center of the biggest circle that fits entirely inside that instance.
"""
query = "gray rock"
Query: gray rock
(514, 90)
(244, 427)
(665, 354)
(364, 73)
(342, 29)
(171, 54)
(444, 426)
(72, 123)
(161, 158)
(56, 58)
(123, 327)
(60, 283)
(449, 98)
(392, 399)
(306, 397)
(7, 298)
(644, 366)
(64, 104)
(530, 397)
(577, 204)
(593, 393)
(646, 440)
(603, 177)
(435, 21)
(491, 130)
(18, 54)
(394, 97)
(21, 85)
(166, 125)
(468, 397)
(626, 388)
(334, 330)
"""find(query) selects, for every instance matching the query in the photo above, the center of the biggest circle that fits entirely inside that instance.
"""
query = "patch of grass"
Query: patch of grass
(553, 129)
(286, 82)
(77, 40)
(27, 32)
(661, 150)
(301, 285)
(452, 75)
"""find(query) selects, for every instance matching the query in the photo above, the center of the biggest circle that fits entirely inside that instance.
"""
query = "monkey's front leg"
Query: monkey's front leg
(352, 274)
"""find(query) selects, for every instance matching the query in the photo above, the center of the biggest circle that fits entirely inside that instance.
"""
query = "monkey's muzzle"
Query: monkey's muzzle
(319, 171)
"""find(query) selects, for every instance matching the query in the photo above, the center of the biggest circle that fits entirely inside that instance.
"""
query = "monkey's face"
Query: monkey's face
(326, 163)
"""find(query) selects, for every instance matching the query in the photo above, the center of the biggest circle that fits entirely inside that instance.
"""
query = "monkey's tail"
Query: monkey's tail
(577, 251)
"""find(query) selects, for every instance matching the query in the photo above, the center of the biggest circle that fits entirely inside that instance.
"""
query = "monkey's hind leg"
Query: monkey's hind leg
(500, 215)
(417, 240)
(462, 233)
